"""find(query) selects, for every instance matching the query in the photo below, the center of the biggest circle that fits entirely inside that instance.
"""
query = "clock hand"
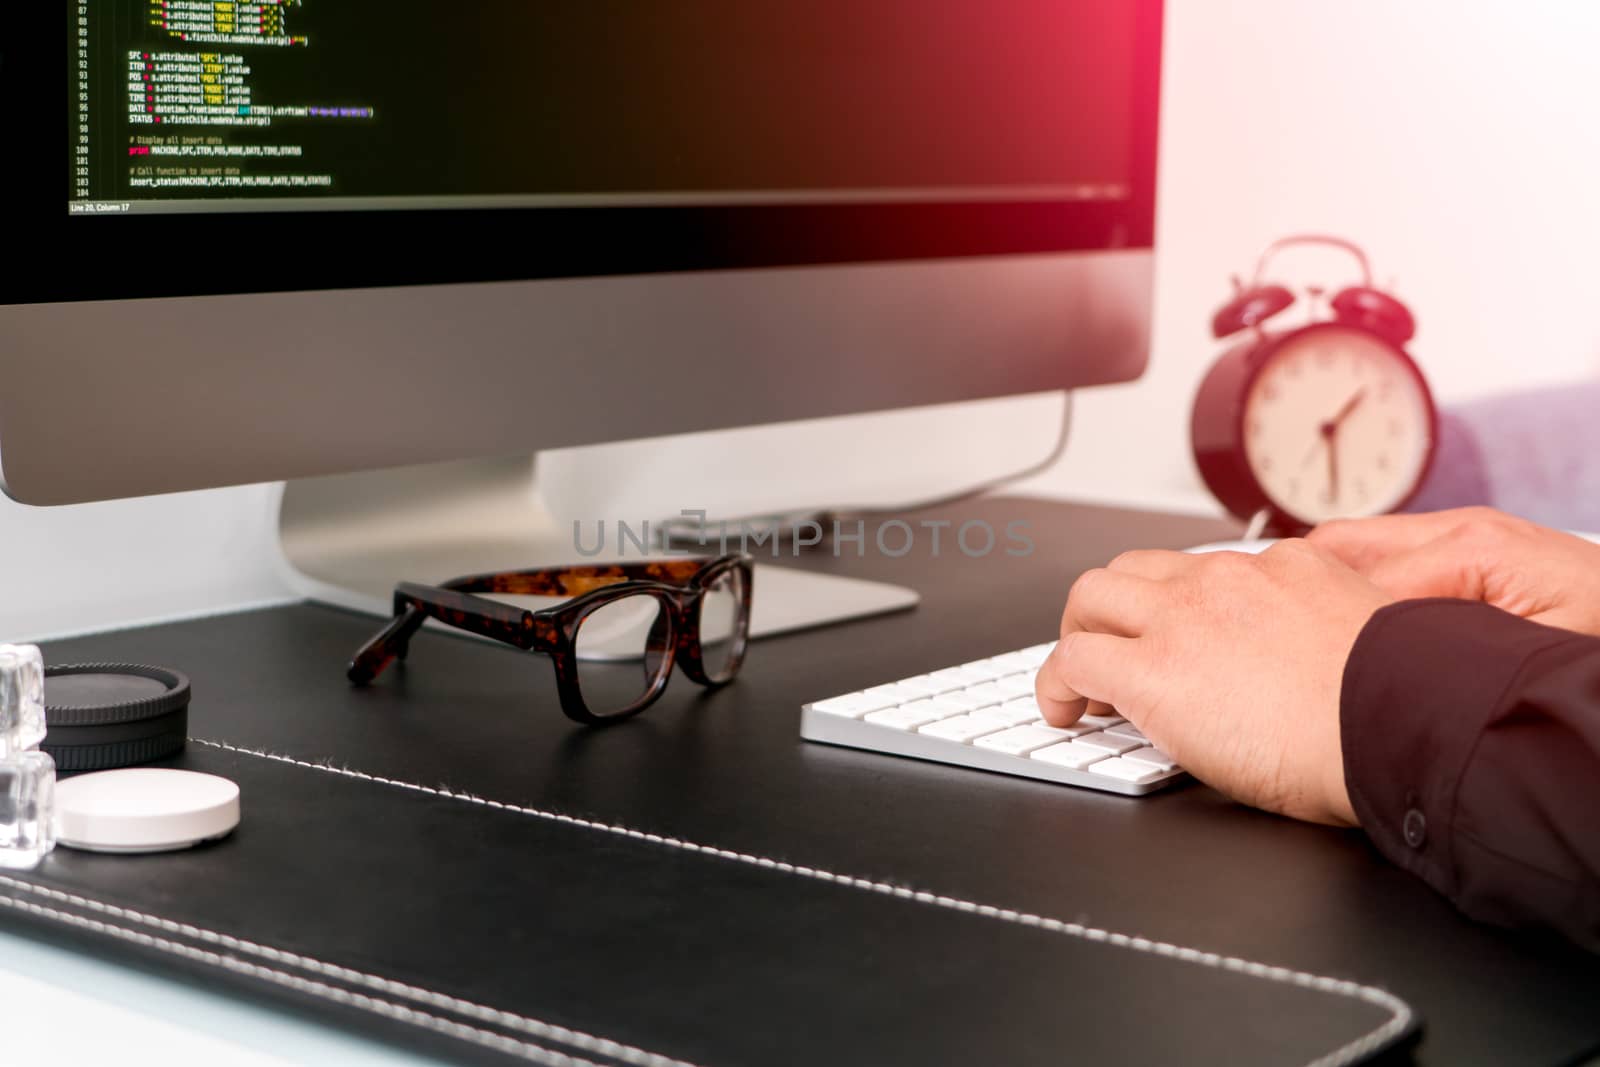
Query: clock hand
(1333, 466)
(1328, 429)
(1348, 409)
(1328, 434)
(1311, 454)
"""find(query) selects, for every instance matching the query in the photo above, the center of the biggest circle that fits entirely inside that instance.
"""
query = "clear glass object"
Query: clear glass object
(22, 724)
(621, 652)
(27, 809)
(720, 631)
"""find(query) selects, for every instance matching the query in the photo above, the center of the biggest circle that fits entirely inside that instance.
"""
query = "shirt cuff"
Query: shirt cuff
(1423, 681)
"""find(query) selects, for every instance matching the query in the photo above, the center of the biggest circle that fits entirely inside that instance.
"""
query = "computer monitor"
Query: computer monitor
(303, 237)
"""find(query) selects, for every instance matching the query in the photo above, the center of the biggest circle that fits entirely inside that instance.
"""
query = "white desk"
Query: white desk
(61, 1007)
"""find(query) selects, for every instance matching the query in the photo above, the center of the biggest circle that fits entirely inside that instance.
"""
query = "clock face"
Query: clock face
(1337, 424)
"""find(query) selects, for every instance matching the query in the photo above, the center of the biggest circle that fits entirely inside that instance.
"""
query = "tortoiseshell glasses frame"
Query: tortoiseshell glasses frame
(679, 586)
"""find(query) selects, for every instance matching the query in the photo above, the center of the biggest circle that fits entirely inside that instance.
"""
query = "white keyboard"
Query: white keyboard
(983, 715)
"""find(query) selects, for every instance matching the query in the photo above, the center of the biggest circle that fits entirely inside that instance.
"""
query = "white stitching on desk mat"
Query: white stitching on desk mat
(399, 1012)
(1400, 1013)
(589, 1043)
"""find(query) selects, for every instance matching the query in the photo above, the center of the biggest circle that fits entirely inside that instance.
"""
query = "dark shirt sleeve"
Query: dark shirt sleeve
(1472, 755)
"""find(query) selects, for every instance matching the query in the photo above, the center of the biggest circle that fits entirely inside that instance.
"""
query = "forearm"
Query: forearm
(1471, 744)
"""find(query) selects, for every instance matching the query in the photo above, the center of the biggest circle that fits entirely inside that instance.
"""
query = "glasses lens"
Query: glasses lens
(722, 625)
(622, 650)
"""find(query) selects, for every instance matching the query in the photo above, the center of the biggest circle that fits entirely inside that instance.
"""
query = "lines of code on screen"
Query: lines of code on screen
(227, 104)
(174, 99)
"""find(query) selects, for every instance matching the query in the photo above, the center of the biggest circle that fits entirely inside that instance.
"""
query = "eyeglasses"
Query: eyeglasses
(613, 643)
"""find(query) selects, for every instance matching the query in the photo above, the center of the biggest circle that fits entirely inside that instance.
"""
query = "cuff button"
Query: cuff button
(1415, 828)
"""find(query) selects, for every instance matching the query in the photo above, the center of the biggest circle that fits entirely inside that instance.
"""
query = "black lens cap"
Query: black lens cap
(101, 716)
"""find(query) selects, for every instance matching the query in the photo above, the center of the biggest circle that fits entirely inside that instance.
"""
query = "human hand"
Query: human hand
(1231, 664)
(1475, 554)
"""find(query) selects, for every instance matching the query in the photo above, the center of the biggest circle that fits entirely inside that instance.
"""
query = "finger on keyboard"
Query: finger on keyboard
(984, 714)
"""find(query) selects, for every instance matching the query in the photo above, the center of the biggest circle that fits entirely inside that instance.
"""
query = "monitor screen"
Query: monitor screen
(218, 105)
(571, 137)
(254, 240)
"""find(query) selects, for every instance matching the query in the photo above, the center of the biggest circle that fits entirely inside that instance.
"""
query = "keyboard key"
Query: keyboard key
(907, 716)
(989, 693)
(1025, 701)
(967, 699)
(961, 729)
(1127, 729)
(1127, 770)
(973, 699)
(855, 705)
(961, 699)
(1153, 756)
(1077, 729)
(1037, 654)
(1063, 733)
(1016, 685)
(1019, 740)
(1013, 661)
(884, 700)
(1070, 754)
(892, 693)
(1109, 742)
(852, 706)
(1011, 713)
(984, 669)
(924, 685)
(942, 707)
(1102, 722)
(959, 677)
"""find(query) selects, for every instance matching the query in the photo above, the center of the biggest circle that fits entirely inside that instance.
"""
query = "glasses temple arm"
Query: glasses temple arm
(414, 604)
(390, 644)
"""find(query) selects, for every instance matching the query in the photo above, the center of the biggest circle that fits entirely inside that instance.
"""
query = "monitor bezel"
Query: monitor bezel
(64, 258)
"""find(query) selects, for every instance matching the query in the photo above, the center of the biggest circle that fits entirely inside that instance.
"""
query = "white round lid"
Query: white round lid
(144, 809)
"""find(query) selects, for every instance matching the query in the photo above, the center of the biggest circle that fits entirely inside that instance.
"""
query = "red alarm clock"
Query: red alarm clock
(1330, 419)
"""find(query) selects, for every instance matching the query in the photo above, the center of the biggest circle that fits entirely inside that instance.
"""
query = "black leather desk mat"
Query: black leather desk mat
(721, 961)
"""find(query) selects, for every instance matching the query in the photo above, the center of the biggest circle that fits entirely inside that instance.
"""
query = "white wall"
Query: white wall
(95, 566)
(1454, 140)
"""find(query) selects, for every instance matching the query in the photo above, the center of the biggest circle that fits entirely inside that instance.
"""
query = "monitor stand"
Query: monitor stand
(347, 539)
